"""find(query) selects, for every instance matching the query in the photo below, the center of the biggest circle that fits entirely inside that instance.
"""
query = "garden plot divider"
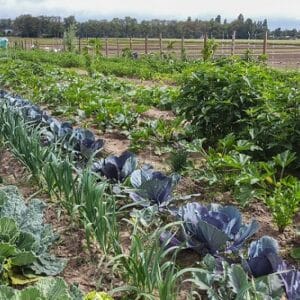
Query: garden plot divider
(279, 53)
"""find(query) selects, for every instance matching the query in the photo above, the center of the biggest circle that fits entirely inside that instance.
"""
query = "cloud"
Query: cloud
(32, 1)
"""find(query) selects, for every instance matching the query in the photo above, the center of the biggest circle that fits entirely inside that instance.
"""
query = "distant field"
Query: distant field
(281, 53)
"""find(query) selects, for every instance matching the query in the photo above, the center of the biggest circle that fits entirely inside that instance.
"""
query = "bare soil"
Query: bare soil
(156, 114)
(115, 143)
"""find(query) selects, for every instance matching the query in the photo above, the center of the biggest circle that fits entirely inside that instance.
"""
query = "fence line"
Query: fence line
(184, 48)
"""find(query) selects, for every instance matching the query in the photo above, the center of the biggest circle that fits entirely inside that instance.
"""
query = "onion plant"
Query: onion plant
(98, 211)
(62, 180)
(148, 268)
(24, 141)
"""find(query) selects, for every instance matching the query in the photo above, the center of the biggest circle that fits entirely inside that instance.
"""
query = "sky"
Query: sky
(278, 12)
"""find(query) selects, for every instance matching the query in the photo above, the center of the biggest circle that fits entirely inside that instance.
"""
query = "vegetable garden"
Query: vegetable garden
(186, 187)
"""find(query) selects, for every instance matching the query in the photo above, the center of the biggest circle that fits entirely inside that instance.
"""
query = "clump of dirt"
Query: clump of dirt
(188, 186)
(156, 114)
(115, 143)
(159, 163)
(13, 172)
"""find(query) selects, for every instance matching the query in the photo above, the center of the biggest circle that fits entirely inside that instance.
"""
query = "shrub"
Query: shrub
(246, 98)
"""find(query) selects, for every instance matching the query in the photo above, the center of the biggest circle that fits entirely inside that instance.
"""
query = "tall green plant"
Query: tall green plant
(98, 212)
(24, 141)
(209, 49)
(70, 38)
(96, 45)
(62, 180)
(235, 96)
(148, 269)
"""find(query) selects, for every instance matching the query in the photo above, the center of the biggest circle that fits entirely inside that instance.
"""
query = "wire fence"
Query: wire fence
(280, 53)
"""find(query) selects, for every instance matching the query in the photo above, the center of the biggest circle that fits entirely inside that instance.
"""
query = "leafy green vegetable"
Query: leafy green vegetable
(249, 99)
(97, 296)
(25, 239)
(45, 289)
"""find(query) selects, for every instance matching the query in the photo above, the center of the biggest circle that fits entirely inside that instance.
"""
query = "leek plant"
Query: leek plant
(24, 143)
(148, 268)
(98, 210)
(62, 181)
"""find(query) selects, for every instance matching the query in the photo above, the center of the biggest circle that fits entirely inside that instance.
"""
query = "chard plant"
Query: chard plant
(284, 202)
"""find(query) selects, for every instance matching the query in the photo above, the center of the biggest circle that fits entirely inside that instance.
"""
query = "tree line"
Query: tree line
(53, 26)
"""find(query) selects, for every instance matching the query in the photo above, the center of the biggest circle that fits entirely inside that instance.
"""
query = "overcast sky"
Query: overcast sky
(171, 9)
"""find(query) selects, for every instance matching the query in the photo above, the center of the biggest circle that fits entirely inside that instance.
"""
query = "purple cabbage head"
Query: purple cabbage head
(85, 143)
(152, 187)
(291, 281)
(116, 168)
(263, 258)
(213, 228)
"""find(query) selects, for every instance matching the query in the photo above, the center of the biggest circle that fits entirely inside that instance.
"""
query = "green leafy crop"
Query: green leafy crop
(246, 98)
(24, 240)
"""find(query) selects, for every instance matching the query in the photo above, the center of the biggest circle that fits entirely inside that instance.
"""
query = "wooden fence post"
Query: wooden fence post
(118, 48)
(160, 45)
(265, 43)
(182, 47)
(205, 41)
(79, 44)
(146, 44)
(233, 43)
(130, 43)
(106, 47)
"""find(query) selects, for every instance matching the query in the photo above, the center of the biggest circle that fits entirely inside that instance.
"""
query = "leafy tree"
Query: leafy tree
(27, 26)
(53, 26)
(218, 19)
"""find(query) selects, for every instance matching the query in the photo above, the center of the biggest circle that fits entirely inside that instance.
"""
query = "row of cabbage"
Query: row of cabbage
(212, 229)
